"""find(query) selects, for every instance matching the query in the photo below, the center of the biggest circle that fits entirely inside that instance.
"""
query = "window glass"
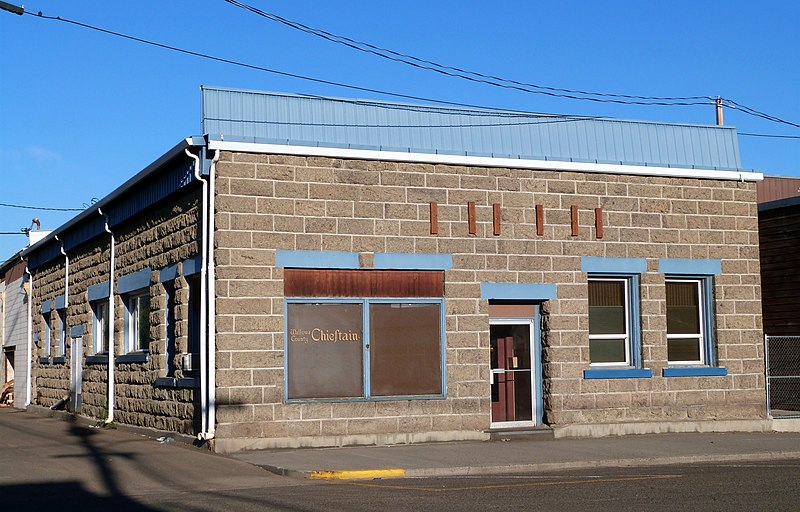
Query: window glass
(607, 307)
(48, 334)
(169, 290)
(62, 333)
(138, 322)
(683, 308)
(405, 349)
(324, 351)
(684, 321)
(608, 321)
(101, 332)
(143, 323)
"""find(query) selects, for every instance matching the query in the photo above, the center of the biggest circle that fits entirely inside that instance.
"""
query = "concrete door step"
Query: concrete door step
(542, 432)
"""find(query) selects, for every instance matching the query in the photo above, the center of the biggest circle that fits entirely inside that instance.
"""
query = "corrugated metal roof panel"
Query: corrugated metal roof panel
(257, 116)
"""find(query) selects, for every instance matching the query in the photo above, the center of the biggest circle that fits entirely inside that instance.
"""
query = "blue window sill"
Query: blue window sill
(59, 360)
(172, 382)
(44, 360)
(618, 373)
(135, 357)
(699, 371)
(97, 359)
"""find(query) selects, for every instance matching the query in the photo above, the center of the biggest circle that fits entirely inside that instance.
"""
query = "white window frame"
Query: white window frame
(97, 326)
(132, 306)
(626, 280)
(702, 335)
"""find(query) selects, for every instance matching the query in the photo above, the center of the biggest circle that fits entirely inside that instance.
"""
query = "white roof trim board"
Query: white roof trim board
(392, 156)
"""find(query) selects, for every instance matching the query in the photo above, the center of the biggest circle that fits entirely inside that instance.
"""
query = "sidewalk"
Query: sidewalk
(524, 456)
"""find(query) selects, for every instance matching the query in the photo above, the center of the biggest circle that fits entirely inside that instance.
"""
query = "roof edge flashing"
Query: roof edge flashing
(488, 161)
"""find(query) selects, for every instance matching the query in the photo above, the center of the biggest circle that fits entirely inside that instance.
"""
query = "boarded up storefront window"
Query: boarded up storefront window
(405, 350)
(334, 337)
(324, 351)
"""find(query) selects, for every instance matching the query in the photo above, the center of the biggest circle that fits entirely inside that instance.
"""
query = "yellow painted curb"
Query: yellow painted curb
(357, 474)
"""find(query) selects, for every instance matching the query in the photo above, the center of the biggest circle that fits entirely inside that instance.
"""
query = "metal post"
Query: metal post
(766, 371)
(720, 120)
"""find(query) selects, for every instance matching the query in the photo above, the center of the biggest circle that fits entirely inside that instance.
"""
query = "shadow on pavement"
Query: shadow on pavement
(62, 496)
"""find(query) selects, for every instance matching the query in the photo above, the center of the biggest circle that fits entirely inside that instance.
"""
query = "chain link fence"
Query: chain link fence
(783, 376)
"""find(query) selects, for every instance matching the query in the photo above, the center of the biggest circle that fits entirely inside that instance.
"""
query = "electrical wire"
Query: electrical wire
(13, 233)
(251, 66)
(492, 112)
(770, 135)
(45, 208)
(352, 125)
(475, 77)
(492, 79)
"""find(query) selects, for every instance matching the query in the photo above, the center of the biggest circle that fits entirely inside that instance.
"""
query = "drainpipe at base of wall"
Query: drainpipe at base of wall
(111, 345)
(203, 434)
(212, 307)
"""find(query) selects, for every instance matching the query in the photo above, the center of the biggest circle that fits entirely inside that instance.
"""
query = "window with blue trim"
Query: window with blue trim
(690, 331)
(614, 320)
(355, 334)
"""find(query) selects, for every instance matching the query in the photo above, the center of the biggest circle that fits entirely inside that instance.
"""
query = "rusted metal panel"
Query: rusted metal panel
(471, 219)
(539, 220)
(598, 223)
(363, 283)
(434, 219)
(574, 215)
(496, 219)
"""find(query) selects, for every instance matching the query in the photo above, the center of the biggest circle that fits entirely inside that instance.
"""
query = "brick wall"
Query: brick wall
(269, 202)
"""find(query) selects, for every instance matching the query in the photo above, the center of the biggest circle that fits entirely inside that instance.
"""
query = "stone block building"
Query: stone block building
(321, 271)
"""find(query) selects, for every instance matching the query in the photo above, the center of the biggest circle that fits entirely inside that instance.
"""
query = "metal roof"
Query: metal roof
(278, 118)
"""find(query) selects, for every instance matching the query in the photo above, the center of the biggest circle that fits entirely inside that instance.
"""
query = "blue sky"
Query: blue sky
(81, 111)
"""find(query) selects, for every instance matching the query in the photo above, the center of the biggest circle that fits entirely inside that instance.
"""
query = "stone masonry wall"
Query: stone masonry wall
(163, 236)
(269, 202)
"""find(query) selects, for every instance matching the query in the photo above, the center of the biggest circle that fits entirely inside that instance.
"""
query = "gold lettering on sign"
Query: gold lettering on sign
(318, 334)
(322, 335)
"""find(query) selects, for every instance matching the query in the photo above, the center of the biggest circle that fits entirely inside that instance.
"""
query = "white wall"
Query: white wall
(15, 334)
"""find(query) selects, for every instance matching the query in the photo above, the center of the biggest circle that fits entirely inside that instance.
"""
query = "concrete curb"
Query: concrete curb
(546, 467)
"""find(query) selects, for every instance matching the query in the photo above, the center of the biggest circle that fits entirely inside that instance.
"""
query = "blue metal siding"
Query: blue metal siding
(254, 116)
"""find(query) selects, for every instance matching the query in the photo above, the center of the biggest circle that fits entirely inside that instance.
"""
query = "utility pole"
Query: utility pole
(719, 111)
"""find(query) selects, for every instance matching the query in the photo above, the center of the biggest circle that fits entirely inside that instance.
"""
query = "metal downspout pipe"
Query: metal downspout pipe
(66, 296)
(212, 307)
(111, 345)
(28, 380)
(203, 299)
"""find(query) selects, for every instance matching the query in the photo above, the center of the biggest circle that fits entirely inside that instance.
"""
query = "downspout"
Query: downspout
(203, 299)
(111, 345)
(66, 297)
(28, 380)
(212, 307)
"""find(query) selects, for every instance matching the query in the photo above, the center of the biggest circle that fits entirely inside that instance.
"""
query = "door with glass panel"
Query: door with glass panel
(512, 372)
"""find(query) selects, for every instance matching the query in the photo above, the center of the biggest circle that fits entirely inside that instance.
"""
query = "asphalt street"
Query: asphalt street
(50, 463)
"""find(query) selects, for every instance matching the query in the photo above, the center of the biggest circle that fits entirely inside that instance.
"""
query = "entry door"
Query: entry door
(512, 375)
(76, 374)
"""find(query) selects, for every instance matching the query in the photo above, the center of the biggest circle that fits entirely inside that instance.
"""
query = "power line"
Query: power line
(26, 207)
(354, 125)
(252, 66)
(13, 233)
(492, 79)
(475, 76)
(771, 135)
(732, 104)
